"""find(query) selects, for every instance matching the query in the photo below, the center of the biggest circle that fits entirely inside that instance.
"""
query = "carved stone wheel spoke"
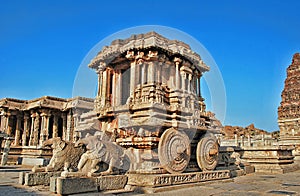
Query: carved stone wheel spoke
(174, 150)
(207, 153)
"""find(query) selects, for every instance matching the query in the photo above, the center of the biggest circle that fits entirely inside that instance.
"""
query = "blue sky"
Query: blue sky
(42, 44)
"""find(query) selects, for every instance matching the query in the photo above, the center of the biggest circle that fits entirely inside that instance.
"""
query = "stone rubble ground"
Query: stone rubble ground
(252, 184)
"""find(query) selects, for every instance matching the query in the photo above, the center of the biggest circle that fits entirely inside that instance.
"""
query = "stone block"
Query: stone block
(66, 186)
(34, 161)
(75, 185)
(38, 178)
(111, 182)
(22, 178)
(249, 169)
(53, 183)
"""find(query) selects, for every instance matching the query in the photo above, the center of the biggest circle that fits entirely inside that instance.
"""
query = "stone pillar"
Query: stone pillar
(18, 130)
(76, 118)
(138, 73)
(3, 122)
(177, 75)
(26, 129)
(183, 79)
(236, 140)
(8, 123)
(189, 82)
(132, 78)
(70, 127)
(249, 140)
(108, 97)
(32, 129)
(64, 125)
(44, 132)
(114, 90)
(5, 152)
(104, 88)
(36, 130)
(144, 74)
(55, 125)
(199, 86)
(119, 88)
(242, 140)
(158, 72)
(151, 72)
(100, 80)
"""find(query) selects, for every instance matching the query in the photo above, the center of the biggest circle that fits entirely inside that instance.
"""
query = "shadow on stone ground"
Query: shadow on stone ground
(252, 184)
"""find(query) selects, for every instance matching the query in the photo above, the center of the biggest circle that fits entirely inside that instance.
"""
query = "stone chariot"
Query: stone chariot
(149, 101)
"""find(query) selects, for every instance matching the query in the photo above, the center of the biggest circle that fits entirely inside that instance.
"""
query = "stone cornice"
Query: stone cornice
(47, 102)
(144, 41)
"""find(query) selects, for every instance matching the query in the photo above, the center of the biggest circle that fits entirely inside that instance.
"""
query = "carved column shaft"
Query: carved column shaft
(26, 130)
(37, 130)
(44, 132)
(104, 86)
(32, 130)
(177, 77)
(151, 72)
(199, 86)
(132, 77)
(119, 88)
(3, 122)
(64, 126)
(9, 124)
(18, 130)
(70, 127)
(100, 81)
(55, 126)
(114, 90)
(158, 72)
(108, 97)
(189, 82)
(138, 74)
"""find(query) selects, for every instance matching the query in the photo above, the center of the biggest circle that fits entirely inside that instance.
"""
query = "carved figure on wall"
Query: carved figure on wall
(102, 151)
(65, 156)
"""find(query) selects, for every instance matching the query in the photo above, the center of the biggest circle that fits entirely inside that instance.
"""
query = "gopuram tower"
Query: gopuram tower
(149, 101)
(289, 109)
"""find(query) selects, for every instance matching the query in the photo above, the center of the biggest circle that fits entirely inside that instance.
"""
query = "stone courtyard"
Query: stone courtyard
(146, 132)
(252, 184)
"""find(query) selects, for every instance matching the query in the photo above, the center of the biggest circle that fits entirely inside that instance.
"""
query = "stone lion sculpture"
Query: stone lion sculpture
(65, 156)
(101, 150)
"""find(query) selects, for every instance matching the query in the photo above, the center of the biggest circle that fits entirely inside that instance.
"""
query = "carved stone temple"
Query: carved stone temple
(149, 100)
(31, 122)
(289, 109)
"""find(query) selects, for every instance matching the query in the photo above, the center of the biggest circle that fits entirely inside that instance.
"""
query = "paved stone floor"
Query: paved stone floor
(253, 184)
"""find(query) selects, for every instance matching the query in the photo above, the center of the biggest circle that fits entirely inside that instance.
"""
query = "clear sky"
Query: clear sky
(42, 44)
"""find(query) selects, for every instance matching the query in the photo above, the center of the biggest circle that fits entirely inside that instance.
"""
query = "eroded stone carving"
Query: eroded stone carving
(65, 156)
(102, 150)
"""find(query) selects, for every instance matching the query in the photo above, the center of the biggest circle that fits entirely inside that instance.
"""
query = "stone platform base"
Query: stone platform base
(36, 178)
(66, 186)
(159, 180)
(270, 159)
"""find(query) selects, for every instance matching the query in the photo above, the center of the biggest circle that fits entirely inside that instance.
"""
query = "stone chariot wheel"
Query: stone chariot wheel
(207, 153)
(174, 150)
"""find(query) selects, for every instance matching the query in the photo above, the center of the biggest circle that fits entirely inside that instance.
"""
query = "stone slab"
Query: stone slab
(158, 180)
(65, 186)
(38, 178)
(34, 161)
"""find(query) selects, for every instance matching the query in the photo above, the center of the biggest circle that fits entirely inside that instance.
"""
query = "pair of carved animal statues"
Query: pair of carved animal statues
(93, 155)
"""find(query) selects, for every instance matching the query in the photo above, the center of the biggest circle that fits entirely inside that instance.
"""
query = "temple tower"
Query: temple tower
(289, 109)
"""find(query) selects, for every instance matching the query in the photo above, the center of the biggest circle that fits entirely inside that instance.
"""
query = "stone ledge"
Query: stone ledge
(65, 186)
(158, 180)
(38, 178)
